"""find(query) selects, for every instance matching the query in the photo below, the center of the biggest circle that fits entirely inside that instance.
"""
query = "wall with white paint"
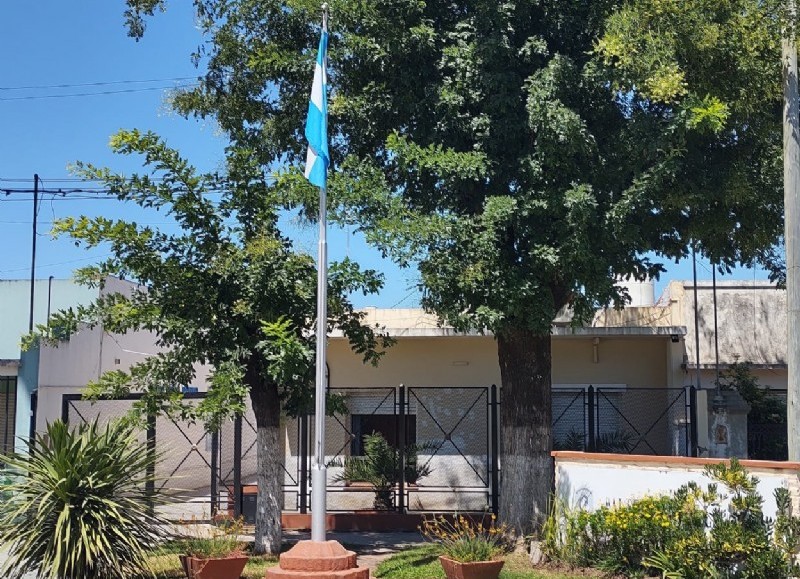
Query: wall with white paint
(591, 481)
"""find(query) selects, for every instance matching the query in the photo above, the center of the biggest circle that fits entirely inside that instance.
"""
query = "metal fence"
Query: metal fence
(657, 421)
(454, 432)
(202, 473)
(767, 434)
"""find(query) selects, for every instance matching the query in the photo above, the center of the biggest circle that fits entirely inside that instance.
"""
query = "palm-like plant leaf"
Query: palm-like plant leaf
(82, 509)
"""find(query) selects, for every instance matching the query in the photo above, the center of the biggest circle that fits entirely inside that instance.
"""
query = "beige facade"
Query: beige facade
(445, 375)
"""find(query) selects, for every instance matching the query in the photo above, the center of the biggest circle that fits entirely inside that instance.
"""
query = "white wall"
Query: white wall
(591, 481)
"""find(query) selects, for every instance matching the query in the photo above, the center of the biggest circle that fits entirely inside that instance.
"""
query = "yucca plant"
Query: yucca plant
(82, 509)
(379, 467)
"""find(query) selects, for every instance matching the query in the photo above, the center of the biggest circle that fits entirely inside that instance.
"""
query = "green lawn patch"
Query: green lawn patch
(423, 563)
(168, 566)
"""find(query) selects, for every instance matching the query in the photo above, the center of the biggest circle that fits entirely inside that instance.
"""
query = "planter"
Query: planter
(475, 570)
(216, 568)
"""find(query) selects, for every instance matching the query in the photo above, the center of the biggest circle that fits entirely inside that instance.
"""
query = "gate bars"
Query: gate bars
(460, 425)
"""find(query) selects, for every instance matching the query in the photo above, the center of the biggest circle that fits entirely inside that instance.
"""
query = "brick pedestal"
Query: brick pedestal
(318, 560)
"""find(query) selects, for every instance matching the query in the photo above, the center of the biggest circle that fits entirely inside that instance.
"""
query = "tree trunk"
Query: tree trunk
(526, 472)
(269, 502)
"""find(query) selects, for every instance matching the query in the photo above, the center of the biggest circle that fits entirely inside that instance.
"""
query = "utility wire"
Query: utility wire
(40, 266)
(99, 83)
(100, 93)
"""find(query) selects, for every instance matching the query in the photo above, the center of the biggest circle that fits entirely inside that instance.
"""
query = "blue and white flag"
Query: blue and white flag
(318, 159)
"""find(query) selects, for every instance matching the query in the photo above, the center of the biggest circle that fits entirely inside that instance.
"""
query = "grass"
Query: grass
(423, 563)
(168, 566)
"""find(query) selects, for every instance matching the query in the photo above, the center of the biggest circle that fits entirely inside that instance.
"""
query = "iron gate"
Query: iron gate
(657, 421)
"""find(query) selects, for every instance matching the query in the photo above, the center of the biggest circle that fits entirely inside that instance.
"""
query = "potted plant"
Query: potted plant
(214, 552)
(378, 467)
(470, 549)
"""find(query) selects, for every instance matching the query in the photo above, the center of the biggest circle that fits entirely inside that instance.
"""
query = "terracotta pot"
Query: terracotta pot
(215, 568)
(475, 570)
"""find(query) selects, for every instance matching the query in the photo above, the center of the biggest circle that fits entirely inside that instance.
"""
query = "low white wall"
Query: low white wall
(590, 481)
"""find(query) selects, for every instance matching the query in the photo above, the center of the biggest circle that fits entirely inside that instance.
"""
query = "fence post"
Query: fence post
(693, 420)
(214, 473)
(591, 426)
(303, 443)
(237, 466)
(150, 484)
(495, 459)
(64, 409)
(401, 449)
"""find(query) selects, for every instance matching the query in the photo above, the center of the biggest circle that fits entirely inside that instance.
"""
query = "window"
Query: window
(375, 410)
(386, 424)
(8, 412)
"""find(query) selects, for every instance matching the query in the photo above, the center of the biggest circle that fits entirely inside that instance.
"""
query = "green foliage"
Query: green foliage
(7, 478)
(710, 74)
(467, 540)
(524, 155)
(379, 466)
(209, 542)
(227, 290)
(82, 511)
(689, 534)
(619, 441)
(764, 407)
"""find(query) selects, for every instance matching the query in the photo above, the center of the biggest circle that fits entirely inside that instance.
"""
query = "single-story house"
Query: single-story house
(623, 378)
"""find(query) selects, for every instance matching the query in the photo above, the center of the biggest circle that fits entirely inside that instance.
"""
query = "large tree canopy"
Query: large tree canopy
(226, 289)
(523, 154)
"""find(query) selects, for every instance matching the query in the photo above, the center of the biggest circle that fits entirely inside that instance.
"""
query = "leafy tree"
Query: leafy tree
(226, 290)
(503, 149)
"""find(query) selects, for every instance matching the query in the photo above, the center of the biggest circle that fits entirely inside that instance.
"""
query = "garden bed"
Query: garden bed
(423, 563)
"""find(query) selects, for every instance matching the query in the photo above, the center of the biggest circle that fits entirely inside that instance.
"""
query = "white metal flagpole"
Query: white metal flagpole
(319, 478)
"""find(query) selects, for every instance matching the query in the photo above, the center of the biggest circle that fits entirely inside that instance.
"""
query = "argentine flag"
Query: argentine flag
(318, 159)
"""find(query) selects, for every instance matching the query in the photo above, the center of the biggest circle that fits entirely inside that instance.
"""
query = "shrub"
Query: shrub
(210, 542)
(83, 509)
(690, 534)
(379, 467)
(466, 540)
(616, 538)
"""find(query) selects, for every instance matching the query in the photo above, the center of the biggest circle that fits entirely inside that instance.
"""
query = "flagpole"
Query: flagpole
(319, 476)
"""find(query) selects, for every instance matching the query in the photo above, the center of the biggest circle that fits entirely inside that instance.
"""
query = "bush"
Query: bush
(466, 540)
(379, 467)
(83, 509)
(691, 534)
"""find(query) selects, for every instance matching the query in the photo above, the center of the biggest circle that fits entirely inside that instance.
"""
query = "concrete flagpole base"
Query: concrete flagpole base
(318, 560)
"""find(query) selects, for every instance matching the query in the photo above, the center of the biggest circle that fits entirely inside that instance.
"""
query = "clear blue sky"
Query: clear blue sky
(49, 42)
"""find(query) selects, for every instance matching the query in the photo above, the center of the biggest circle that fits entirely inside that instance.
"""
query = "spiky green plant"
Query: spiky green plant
(379, 467)
(82, 511)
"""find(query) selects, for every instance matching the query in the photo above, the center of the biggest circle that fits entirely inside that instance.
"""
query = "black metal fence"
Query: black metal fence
(767, 434)
(455, 431)
(656, 421)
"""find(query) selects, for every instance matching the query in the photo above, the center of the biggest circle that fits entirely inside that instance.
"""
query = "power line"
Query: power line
(90, 258)
(100, 93)
(98, 83)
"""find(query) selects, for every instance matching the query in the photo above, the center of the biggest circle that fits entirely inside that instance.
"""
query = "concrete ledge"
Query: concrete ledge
(655, 461)
(373, 521)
